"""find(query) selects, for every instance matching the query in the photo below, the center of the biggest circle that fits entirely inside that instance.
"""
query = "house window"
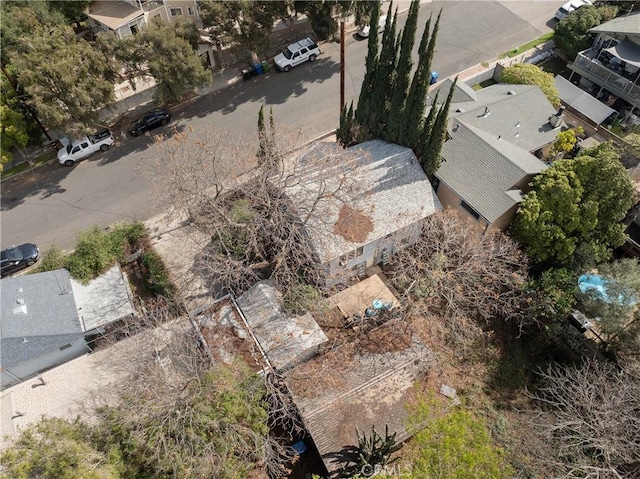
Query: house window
(134, 29)
(191, 11)
(359, 251)
(175, 12)
(470, 210)
(66, 346)
(351, 255)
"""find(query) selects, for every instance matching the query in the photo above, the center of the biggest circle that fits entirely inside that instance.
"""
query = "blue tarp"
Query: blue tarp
(599, 285)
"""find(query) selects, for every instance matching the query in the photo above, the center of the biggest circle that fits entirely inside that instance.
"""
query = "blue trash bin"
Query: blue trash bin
(258, 68)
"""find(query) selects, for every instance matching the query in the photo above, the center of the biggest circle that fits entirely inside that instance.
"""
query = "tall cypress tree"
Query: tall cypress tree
(383, 81)
(262, 136)
(431, 157)
(417, 97)
(402, 77)
(362, 113)
(425, 132)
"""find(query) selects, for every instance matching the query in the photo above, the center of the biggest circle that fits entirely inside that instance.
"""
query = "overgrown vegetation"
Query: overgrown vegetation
(528, 74)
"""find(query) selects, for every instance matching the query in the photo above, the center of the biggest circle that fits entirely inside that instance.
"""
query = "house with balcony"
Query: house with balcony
(127, 17)
(610, 68)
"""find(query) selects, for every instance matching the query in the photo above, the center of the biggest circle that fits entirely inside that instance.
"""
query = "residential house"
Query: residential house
(359, 205)
(128, 17)
(610, 68)
(47, 316)
(495, 137)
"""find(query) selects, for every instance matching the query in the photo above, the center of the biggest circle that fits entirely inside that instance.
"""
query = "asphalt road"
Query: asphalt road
(52, 203)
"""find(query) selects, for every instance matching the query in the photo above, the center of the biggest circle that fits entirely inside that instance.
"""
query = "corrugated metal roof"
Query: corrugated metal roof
(286, 339)
(382, 181)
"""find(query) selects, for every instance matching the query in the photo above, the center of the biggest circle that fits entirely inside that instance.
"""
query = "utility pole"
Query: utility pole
(29, 108)
(341, 65)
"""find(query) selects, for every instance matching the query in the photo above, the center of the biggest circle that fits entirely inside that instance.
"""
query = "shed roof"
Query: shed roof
(359, 385)
(484, 170)
(625, 24)
(582, 101)
(38, 315)
(104, 300)
(286, 339)
(382, 182)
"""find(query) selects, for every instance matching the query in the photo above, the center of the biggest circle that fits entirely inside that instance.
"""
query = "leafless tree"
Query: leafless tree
(250, 214)
(462, 274)
(590, 416)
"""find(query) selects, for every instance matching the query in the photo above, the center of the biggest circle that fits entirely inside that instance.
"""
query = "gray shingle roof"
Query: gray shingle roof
(626, 24)
(39, 308)
(483, 169)
(382, 181)
(287, 340)
(509, 106)
(461, 94)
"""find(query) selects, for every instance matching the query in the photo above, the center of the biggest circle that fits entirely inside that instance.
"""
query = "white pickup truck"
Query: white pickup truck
(79, 149)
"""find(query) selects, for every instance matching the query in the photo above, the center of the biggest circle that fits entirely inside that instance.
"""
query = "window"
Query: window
(470, 210)
(66, 346)
(134, 29)
(191, 11)
(85, 145)
(157, 17)
(356, 253)
(76, 149)
(175, 12)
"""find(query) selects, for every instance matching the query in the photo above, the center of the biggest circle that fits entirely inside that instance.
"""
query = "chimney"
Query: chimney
(556, 120)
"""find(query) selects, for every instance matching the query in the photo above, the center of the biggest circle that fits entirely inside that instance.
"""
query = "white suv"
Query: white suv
(296, 53)
(570, 6)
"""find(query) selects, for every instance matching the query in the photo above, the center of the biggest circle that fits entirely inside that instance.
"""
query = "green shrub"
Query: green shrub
(158, 280)
(52, 259)
(300, 298)
(98, 250)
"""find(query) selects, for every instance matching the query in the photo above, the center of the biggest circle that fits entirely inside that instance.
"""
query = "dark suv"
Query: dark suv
(151, 120)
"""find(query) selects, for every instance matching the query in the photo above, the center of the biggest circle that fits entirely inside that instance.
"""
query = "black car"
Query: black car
(18, 257)
(151, 120)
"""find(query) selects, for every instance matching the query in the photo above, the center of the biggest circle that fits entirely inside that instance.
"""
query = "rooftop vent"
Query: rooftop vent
(459, 110)
(486, 112)
(511, 92)
(21, 309)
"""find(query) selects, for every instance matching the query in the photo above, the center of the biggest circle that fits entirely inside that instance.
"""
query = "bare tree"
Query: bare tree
(250, 212)
(590, 417)
(463, 274)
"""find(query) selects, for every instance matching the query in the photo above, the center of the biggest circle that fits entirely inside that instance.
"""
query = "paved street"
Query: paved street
(50, 205)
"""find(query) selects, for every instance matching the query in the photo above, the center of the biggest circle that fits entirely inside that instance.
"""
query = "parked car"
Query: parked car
(75, 151)
(151, 120)
(18, 257)
(296, 53)
(570, 6)
(363, 31)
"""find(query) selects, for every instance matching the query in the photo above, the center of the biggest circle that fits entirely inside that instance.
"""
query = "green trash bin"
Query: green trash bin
(265, 66)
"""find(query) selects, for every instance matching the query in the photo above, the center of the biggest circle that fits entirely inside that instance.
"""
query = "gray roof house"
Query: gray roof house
(359, 205)
(488, 160)
(610, 68)
(46, 316)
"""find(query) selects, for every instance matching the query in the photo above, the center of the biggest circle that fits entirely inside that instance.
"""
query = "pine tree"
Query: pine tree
(417, 97)
(382, 82)
(402, 77)
(431, 158)
(363, 111)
